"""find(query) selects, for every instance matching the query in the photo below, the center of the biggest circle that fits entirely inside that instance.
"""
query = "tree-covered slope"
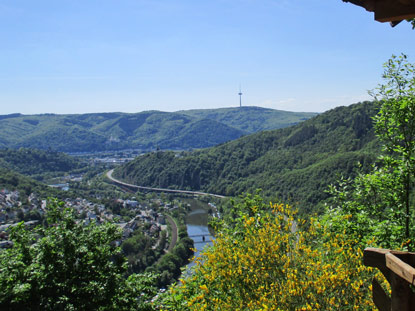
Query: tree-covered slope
(252, 119)
(35, 162)
(112, 131)
(12, 180)
(144, 130)
(295, 163)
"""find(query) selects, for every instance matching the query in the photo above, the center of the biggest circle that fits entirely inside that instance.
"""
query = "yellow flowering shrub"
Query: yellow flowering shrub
(271, 261)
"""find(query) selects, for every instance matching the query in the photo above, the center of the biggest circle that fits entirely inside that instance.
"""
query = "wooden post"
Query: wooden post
(396, 266)
(400, 294)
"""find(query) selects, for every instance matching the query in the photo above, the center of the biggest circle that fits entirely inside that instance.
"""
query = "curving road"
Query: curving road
(119, 182)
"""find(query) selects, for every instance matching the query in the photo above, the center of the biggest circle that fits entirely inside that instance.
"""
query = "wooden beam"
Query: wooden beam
(400, 268)
(390, 11)
(369, 5)
(375, 257)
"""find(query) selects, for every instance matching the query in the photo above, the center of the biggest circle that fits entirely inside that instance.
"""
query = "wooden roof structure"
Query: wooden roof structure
(393, 11)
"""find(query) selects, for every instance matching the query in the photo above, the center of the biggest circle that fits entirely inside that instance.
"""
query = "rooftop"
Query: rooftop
(393, 11)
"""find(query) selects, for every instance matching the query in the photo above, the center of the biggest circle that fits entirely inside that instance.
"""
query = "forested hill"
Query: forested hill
(294, 164)
(144, 130)
(251, 119)
(12, 180)
(34, 162)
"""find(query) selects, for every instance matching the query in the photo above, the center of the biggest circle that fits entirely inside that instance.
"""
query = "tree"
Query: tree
(67, 265)
(380, 203)
(395, 125)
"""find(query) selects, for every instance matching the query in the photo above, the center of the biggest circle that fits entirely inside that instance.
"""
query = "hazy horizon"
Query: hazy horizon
(149, 110)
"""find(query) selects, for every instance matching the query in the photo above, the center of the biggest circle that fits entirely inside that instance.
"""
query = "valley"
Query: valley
(207, 155)
(294, 164)
(169, 203)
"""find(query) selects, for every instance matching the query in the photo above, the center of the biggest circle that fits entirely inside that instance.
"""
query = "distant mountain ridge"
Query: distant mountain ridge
(251, 119)
(144, 130)
(295, 164)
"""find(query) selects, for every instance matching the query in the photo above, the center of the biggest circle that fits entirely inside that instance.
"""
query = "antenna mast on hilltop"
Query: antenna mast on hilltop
(240, 96)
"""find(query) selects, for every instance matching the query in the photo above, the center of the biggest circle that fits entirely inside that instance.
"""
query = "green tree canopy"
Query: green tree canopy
(381, 203)
(68, 265)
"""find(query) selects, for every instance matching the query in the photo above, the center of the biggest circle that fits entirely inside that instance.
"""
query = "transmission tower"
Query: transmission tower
(240, 96)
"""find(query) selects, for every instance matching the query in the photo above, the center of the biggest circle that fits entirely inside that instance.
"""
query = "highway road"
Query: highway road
(121, 183)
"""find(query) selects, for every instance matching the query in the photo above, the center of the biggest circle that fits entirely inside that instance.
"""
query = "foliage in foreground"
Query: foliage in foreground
(69, 266)
(381, 204)
(270, 260)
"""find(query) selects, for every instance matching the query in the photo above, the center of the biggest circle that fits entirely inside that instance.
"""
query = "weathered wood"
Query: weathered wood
(388, 10)
(375, 257)
(400, 268)
(380, 298)
(401, 293)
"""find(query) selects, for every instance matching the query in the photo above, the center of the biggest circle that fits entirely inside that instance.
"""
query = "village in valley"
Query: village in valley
(16, 208)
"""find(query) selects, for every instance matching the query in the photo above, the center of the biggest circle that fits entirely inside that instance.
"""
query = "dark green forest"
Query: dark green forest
(294, 164)
(38, 163)
(14, 181)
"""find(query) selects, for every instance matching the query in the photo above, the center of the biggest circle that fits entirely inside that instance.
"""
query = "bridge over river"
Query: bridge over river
(135, 188)
(201, 238)
(196, 221)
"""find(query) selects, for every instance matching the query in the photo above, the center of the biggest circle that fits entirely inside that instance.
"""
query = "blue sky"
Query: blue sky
(71, 56)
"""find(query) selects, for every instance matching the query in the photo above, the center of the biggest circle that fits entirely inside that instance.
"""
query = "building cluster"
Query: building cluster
(150, 221)
(15, 208)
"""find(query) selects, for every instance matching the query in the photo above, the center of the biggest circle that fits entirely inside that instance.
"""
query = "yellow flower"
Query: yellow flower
(270, 267)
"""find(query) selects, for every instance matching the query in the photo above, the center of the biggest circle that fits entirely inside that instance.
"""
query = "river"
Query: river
(197, 226)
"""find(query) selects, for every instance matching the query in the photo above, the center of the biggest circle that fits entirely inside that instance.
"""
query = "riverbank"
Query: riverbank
(174, 233)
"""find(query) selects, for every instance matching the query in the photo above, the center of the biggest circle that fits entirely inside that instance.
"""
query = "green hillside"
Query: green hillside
(12, 180)
(293, 164)
(252, 119)
(144, 130)
(112, 131)
(35, 162)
